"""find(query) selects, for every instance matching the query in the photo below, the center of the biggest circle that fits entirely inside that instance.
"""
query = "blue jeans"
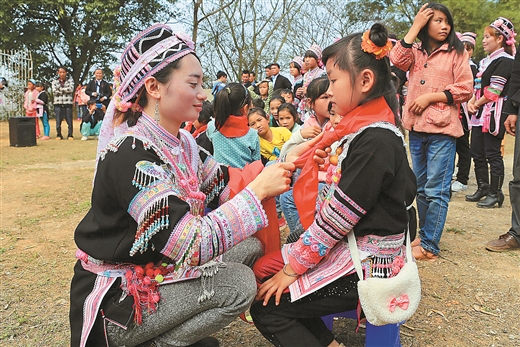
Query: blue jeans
(290, 212)
(433, 157)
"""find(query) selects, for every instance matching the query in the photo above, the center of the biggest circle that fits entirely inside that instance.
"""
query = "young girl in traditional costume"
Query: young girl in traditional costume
(235, 144)
(315, 276)
(439, 81)
(487, 120)
(314, 67)
(148, 270)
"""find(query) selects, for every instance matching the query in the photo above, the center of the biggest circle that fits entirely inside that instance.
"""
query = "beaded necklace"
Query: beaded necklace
(172, 152)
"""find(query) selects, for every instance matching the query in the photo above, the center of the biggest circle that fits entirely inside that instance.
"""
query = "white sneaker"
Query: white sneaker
(84, 138)
(457, 186)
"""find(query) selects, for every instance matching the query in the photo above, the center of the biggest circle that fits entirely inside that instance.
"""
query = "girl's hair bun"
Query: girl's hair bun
(378, 34)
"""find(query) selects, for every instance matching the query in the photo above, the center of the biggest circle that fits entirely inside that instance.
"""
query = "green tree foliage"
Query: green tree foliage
(78, 34)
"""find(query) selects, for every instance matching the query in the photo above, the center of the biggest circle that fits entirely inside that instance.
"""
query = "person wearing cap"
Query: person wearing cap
(468, 39)
(149, 271)
(295, 69)
(29, 104)
(487, 128)
(511, 240)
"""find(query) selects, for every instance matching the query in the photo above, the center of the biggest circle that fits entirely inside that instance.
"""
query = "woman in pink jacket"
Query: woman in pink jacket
(440, 80)
(29, 104)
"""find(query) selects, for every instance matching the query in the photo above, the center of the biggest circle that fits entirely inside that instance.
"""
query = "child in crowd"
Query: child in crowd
(31, 94)
(462, 148)
(271, 138)
(439, 81)
(258, 103)
(80, 99)
(318, 105)
(295, 69)
(91, 120)
(219, 84)
(287, 95)
(265, 89)
(314, 68)
(234, 143)
(42, 109)
(288, 117)
(201, 125)
(315, 276)
(275, 102)
(485, 107)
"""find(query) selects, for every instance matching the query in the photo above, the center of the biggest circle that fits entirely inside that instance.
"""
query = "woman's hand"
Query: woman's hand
(319, 155)
(419, 105)
(310, 132)
(275, 286)
(273, 180)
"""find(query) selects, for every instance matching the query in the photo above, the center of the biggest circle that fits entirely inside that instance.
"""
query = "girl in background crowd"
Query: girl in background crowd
(487, 120)
(31, 94)
(272, 139)
(295, 69)
(201, 125)
(315, 276)
(462, 148)
(314, 68)
(275, 102)
(439, 81)
(234, 143)
(265, 90)
(42, 110)
(288, 118)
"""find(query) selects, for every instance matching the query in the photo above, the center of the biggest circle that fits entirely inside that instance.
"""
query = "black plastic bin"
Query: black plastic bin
(22, 131)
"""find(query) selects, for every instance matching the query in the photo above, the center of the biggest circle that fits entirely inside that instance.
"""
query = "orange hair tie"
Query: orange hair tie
(370, 47)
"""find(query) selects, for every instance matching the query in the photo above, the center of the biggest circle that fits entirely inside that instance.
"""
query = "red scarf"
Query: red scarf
(199, 131)
(235, 126)
(306, 187)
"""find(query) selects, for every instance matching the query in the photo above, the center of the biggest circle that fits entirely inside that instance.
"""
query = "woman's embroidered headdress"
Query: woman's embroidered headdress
(370, 47)
(469, 37)
(506, 28)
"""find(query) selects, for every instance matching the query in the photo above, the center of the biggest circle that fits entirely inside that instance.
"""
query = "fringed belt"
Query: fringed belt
(139, 282)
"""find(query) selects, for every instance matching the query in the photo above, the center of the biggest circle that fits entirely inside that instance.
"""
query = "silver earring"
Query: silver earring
(156, 114)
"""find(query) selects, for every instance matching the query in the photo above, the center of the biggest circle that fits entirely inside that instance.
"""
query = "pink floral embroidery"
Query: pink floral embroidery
(397, 264)
(401, 302)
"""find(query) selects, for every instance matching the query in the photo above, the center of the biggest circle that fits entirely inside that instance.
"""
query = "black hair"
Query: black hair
(3, 82)
(229, 101)
(91, 102)
(207, 112)
(347, 55)
(285, 91)
(252, 73)
(267, 66)
(468, 45)
(291, 109)
(317, 88)
(275, 64)
(276, 97)
(162, 76)
(245, 72)
(258, 102)
(40, 84)
(258, 110)
(310, 54)
(452, 39)
(221, 74)
(296, 65)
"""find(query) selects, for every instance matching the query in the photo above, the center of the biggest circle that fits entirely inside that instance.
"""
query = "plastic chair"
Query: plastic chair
(376, 336)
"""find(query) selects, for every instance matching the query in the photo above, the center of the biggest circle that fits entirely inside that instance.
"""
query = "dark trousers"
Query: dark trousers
(63, 112)
(464, 161)
(298, 323)
(514, 186)
(485, 150)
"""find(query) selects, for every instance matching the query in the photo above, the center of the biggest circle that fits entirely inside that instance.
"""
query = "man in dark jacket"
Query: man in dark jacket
(279, 81)
(98, 89)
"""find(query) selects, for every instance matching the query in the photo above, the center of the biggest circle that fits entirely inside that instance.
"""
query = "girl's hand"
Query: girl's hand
(423, 16)
(274, 286)
(310, 132)
(472, 107)
(419, 105)
(299, 92)
(297, 151)
(273, 180)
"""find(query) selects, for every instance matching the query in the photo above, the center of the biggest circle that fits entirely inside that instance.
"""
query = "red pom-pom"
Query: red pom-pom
(149, 266)
(150, 273)
(139, 271)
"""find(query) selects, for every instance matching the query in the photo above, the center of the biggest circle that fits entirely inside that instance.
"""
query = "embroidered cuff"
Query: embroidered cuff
(491, 94)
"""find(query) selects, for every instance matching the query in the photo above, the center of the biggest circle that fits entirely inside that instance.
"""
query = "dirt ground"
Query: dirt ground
(470, 295)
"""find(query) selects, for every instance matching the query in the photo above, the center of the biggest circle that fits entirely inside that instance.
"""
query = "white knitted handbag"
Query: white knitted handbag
(388, 300)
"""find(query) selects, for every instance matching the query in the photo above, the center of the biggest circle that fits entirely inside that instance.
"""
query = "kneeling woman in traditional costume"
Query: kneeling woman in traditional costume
(148, 270)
